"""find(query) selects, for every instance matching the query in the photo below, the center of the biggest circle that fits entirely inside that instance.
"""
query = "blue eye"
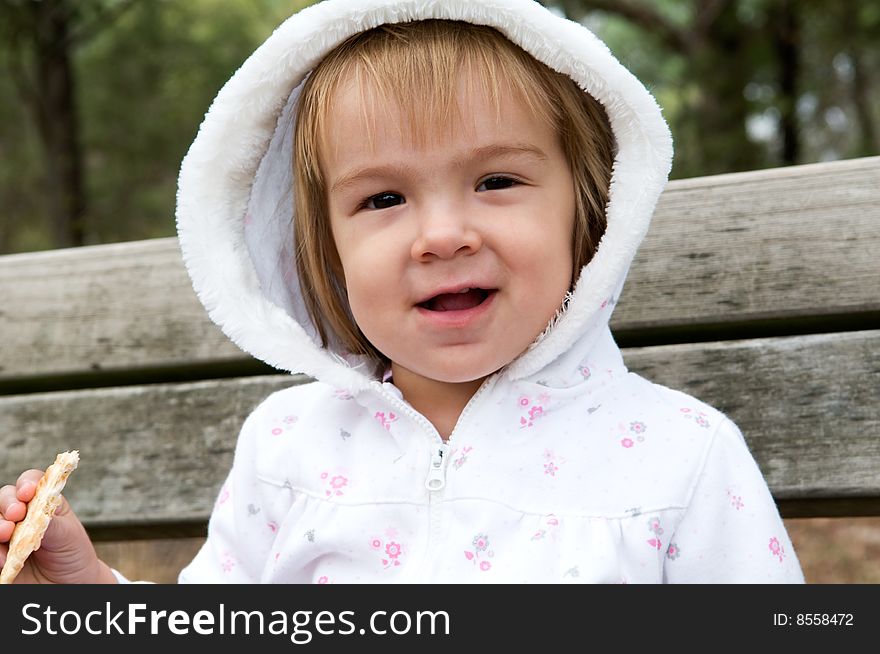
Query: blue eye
(496, 183)
(383, 201)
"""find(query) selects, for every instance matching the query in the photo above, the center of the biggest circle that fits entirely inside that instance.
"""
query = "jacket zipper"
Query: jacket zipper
(436, 479)
(437, 470)
(435, 483)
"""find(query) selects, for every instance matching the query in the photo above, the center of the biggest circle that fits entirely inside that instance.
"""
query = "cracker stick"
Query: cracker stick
(28, 533)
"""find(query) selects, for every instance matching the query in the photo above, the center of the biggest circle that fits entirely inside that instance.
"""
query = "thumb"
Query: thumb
(65, 531)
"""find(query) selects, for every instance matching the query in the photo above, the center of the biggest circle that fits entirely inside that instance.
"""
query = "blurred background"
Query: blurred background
(100, 99)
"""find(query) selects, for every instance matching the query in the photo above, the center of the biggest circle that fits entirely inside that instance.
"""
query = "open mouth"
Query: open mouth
(466, 298)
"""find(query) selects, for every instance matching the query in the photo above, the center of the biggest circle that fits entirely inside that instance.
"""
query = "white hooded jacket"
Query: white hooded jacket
(564, 467)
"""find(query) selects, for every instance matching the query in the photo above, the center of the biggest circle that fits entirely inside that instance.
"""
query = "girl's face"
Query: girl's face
(456, 252)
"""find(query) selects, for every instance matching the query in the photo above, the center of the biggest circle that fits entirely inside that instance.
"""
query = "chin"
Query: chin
(459, 375)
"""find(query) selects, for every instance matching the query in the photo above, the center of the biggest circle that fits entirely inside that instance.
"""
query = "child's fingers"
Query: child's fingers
(14, 499)
(26, 485)
(11, 511)
(6, 527)
(11, 507)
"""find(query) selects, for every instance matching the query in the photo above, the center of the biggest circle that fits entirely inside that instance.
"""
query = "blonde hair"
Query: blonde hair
(418, 66)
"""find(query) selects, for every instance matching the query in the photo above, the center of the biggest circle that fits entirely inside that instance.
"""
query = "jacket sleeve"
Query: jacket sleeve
(230, 553)
(731, 531)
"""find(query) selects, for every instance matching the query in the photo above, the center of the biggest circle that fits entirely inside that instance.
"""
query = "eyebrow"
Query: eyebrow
(484, 153)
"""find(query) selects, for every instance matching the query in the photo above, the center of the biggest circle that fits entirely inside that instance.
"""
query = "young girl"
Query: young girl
(469, 184)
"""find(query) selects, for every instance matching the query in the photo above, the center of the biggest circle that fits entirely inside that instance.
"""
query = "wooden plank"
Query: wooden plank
(156, 560)
(156, 454)
(103, 308)
(778, 244)
(787, 243)
(837, 550)
(148, 454)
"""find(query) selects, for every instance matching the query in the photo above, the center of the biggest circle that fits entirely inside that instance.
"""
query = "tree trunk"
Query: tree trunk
(719, 64)
(861, 90)
(57, 120)
(785, 32)
(711, 134)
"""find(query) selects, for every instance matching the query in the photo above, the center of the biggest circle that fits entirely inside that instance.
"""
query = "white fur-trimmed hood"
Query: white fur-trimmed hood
(234, 208)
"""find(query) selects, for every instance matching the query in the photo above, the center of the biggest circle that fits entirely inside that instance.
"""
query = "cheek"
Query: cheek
(370, 250)
(361, 295)
(546, 251)
(562, 245)
(367, 280)
(345, 238)
(551, 272)
(556, 272)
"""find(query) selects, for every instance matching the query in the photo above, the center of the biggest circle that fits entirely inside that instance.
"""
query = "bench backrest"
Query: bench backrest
(757, 292)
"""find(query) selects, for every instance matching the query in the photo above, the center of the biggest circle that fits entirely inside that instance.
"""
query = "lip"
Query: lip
(457, 319)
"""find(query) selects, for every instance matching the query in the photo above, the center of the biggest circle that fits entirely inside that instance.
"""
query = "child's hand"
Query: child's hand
(66, 555)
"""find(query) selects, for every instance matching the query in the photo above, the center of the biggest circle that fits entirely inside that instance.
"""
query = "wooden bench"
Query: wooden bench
(757, 292)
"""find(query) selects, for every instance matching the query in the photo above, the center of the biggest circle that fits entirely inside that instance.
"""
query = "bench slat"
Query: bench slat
(780, 244)
(157, 560)
(789, 243)
(103, 308)
(152, 453)
(158, 453)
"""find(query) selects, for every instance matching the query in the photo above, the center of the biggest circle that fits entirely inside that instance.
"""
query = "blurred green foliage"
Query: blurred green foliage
(144, 82)
(717, 71)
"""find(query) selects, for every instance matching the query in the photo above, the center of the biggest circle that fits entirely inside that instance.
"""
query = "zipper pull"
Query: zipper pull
(437, 470)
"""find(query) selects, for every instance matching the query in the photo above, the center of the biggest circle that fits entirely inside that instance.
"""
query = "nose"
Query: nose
(444, 232)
